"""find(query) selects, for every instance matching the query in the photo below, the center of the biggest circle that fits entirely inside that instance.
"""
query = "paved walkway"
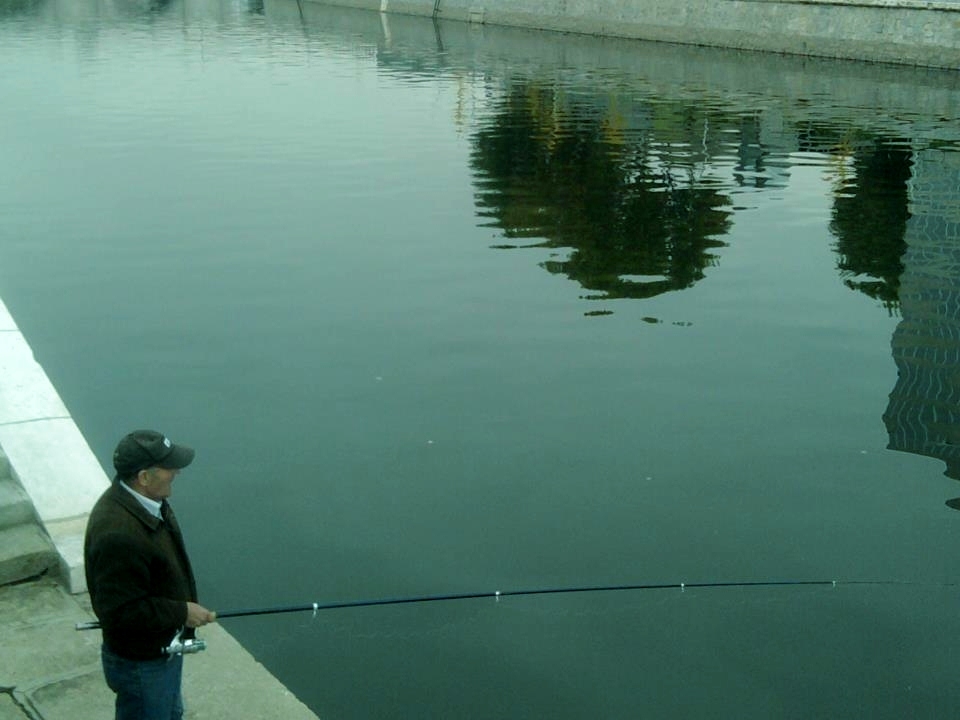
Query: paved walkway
(50, 671)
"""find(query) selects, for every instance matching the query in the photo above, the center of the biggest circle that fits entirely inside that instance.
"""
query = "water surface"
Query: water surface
(454, 309)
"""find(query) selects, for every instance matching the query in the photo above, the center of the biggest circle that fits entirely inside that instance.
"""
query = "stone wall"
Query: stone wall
(912, 32)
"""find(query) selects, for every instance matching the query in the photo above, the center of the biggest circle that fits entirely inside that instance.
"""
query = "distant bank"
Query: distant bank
(907, 32)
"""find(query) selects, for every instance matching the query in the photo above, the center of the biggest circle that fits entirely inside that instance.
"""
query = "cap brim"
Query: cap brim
(179, 457)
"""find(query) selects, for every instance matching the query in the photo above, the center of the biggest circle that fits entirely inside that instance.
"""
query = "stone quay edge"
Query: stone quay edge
(907, 32)
(48, 669)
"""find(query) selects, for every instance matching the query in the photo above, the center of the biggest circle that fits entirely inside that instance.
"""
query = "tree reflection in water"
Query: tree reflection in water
(635, 216)
(630, 204)
(870, 216)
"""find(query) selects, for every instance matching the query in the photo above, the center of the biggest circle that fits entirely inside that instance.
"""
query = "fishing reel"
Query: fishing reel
(179, 646)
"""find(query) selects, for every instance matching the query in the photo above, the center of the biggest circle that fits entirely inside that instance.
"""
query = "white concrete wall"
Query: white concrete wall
(48, 455)
(912, 32)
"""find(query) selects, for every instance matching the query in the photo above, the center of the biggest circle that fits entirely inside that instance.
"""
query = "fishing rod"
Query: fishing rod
(498, 594)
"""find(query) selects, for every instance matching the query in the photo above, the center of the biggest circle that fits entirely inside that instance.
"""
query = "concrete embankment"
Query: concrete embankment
(909, 32)
(49, 480)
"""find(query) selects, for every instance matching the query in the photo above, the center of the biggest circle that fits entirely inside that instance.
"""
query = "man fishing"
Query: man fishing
(140, 580)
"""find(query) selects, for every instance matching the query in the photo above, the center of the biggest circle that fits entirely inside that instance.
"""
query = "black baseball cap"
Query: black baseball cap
(144, 449)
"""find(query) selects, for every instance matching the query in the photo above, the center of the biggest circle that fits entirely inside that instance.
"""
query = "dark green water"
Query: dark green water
(450, 309)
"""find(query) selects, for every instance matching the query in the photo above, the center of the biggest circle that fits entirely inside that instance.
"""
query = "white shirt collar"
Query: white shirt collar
(152, 506)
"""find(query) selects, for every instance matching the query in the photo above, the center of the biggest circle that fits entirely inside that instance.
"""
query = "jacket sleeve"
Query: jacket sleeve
(122, 598)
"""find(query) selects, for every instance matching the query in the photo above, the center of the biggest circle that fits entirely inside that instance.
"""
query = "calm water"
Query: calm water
(451, 309)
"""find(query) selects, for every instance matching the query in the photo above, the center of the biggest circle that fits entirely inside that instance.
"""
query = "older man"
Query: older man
(140, 580)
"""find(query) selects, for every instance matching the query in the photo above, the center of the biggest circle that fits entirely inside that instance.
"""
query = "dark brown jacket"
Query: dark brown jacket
(138, 575)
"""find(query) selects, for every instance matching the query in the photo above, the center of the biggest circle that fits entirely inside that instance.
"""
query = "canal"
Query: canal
(448, 308)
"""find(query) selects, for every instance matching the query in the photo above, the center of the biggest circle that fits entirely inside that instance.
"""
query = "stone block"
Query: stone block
(57, 700)
(10, 710)
(49, 456)
(26, 393)
(25, 551)
(6, 320)
(67, 536)
(15, 506)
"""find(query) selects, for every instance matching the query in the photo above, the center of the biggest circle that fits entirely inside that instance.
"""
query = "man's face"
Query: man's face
(155, 482)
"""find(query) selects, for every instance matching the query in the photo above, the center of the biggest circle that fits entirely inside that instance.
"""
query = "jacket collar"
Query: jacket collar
(133, 506)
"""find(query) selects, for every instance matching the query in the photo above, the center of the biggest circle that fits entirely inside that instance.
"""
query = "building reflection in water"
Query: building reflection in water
(923, 415)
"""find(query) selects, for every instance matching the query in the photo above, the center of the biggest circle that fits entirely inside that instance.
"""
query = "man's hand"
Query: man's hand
(198, 615)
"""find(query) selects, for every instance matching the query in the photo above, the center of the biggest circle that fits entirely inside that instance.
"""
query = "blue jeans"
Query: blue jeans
(146, 689)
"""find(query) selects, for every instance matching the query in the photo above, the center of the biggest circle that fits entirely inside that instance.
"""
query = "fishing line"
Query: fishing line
(498, 595)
